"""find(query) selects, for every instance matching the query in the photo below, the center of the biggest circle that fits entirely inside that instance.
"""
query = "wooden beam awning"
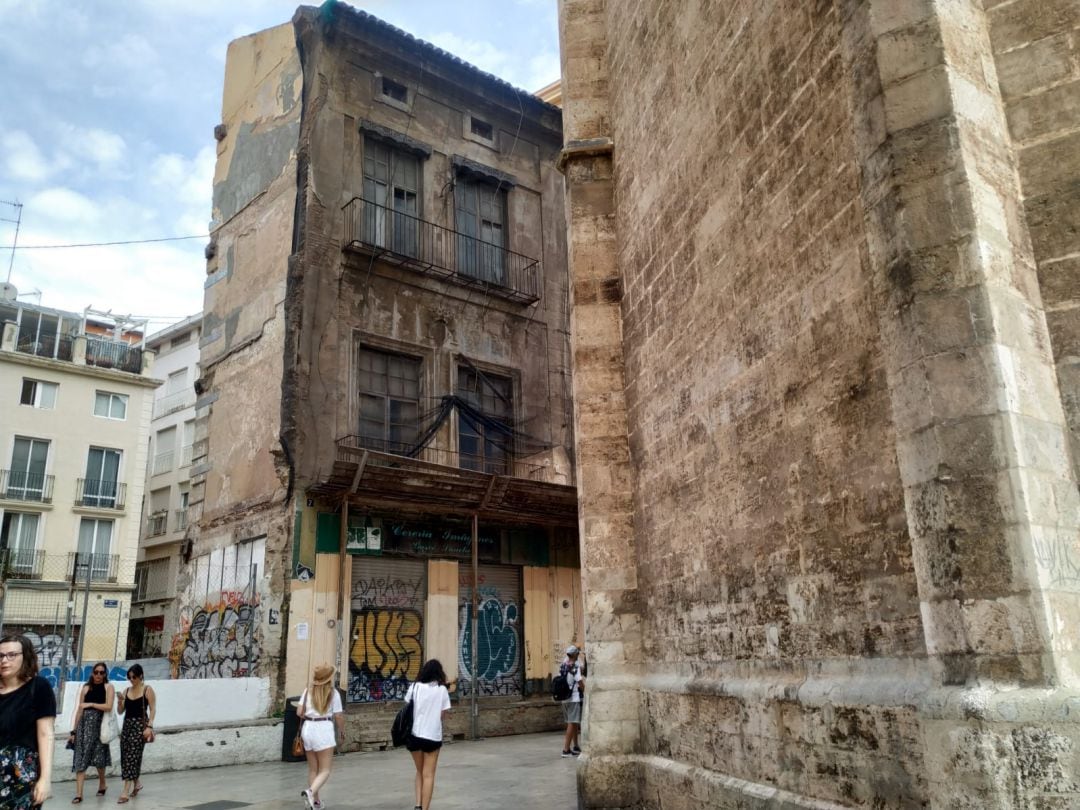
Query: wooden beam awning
(375, 479)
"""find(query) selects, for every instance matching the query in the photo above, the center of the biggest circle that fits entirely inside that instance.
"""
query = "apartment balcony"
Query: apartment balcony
(186, 455)
(164, 462)
(442, 481)
(98, 494)
(173, 402)
(180, 520)
(152, 581)
(114, 354)
(403, 239)
(99, 567)
(17, 485)
(18, 563)
(157, 524)
(58, 347)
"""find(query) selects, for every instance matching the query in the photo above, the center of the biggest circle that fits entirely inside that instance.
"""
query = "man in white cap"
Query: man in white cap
(572, 670)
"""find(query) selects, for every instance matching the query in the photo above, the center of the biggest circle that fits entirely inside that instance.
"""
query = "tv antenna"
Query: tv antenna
(14, 242)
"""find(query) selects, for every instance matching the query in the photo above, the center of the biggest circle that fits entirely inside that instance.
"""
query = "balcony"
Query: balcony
(163, 462)
(157, 524)
(99, 567)
(58, 347)
(405, 240)
(438, 480)
(19, 563)
(17, 485)
(180, 520)
(173, 402)
(185, 455)
(98, 494)
(113, 354)
(151, 581)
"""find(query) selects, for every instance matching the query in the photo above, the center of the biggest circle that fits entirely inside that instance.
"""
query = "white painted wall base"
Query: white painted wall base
(193, 747)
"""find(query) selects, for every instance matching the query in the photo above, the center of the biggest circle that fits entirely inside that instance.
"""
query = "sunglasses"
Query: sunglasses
(99, 672)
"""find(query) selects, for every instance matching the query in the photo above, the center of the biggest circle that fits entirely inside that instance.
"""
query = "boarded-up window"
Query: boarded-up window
(499, 669)
(386, 648)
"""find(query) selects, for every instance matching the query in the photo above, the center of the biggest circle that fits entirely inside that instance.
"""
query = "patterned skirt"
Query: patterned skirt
(89, 750)
(131, 748)
(18, 774)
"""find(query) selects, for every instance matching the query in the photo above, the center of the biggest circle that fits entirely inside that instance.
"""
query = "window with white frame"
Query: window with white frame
(102, 483)
(110, 406)
(26, 479)
(18, 539)
(95, 545)
(38, 393)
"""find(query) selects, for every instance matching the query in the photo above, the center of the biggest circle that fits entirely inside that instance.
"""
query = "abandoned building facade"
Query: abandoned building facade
(382, 466)
(823, 265)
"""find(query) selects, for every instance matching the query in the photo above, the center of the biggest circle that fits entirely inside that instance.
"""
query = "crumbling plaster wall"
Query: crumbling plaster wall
(349, 297)
(239, 473)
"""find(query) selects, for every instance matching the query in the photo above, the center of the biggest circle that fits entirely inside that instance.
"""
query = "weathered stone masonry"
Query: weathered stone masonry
(853, 511)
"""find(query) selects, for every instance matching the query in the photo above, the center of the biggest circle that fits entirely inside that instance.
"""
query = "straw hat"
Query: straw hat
(324, 673)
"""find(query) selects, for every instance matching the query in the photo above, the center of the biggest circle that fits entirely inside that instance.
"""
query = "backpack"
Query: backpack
(402, 727)
(560, 687)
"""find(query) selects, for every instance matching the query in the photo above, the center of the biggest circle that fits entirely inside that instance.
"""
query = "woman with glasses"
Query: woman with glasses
(27, 715)
(95, 698)
(138, 705)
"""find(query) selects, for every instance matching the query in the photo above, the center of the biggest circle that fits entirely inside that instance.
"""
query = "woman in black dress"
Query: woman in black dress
(138, 705)
(27, 715)
(95, 699)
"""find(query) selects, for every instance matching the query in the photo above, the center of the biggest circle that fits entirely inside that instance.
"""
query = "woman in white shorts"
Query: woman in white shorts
(431, 702)
(319, 711)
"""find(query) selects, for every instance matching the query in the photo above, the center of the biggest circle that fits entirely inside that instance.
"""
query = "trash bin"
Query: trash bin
(289, 729)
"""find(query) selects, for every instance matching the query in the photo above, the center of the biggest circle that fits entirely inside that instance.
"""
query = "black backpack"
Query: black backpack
(560, 687)
(402, 727)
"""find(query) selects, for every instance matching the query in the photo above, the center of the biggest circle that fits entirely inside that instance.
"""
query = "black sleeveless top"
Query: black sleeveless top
(137, 708)
(95, 694)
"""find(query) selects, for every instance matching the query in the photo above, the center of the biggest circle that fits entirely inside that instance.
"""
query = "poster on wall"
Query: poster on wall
(364, 535)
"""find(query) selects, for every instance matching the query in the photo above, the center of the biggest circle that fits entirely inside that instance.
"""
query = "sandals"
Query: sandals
(123, 800)
(101, 791)
(77, 800)
(138, 787)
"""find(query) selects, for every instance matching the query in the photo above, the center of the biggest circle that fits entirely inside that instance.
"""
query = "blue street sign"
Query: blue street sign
(112, 603)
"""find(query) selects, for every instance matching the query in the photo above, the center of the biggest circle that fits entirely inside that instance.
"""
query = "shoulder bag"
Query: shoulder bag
(298, 742)
(402, 727)
(110, 729)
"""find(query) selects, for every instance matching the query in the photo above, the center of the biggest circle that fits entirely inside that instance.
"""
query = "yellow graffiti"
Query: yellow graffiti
(387, 643)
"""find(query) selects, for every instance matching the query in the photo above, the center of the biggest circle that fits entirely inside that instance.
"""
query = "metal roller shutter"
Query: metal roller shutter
(386, 648)
(500, 631)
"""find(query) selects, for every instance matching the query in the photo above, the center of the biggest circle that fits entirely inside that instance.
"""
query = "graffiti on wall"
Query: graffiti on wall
(218, 639)
(387, 646)
(57, 657)
(498, 644)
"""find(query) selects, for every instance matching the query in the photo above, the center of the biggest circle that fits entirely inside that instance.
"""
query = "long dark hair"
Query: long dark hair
(432, 671)
(29, 666)
(104, 666)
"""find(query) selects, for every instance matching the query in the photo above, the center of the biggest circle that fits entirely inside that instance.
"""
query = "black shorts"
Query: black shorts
(421, 744)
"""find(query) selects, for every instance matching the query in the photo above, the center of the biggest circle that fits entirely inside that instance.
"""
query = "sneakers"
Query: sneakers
(309, 800)
(575, 751)
(566, 754)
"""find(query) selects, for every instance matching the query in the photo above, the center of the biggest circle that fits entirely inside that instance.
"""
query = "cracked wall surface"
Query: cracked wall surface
(854, 503)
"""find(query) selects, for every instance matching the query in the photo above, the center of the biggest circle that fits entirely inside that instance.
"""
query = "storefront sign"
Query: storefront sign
(439, 540)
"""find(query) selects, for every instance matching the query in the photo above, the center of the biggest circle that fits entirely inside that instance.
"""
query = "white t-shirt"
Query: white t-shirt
(332, 709)
(430, 700)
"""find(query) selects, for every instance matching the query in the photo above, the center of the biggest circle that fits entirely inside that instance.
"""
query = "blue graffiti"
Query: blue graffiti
(498, 645)
(80, 675)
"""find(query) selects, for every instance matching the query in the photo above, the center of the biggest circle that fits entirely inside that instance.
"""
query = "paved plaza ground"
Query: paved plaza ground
(502, 773)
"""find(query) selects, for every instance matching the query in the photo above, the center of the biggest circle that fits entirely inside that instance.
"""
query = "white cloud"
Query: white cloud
(63, 205)
(22, 157)
(478, 52)
(101, 147)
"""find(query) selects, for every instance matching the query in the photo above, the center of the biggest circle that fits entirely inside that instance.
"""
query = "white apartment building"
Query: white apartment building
(75, 404)
(154, 619)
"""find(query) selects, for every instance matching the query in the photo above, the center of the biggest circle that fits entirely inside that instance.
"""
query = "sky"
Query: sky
(106, 130)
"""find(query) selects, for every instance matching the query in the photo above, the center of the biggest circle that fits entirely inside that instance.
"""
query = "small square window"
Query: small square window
(38, 394)
(482, 129)
(180, 340)
(398, 92)
(110, 406)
